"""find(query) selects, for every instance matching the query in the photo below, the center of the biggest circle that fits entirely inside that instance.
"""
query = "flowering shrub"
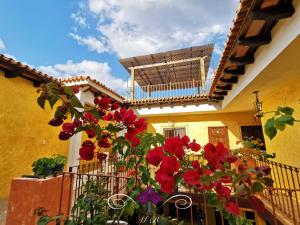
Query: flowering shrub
(213, 177)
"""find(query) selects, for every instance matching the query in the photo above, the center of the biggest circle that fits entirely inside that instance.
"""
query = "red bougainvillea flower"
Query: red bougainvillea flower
(86, 151)
(64, 136)
(155, 156)
(68, 128)
(131, 172)
(90, 133)
(117, 116)
(101, 156)
(170, 164)
(90, 117)
(215, 156)
(56, 122)
(108, 117)
(232, 158)
(77, 123)
(132, 130)
(191, 177)
(140, 124)
(103, 103)
(185, 140)
(194, 146)
(115, 106)
(196, 165)
(175, 145)
(128, 117)
(133, 139)
(232, 208)
(104, 143)
(222, 191)
(76, 89)
(166, 181)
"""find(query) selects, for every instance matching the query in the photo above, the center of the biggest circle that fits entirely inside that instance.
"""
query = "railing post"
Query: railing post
(132, 83)
(273, 206)
(292, 206)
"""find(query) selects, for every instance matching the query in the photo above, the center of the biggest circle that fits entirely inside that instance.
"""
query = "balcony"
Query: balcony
(177, 76)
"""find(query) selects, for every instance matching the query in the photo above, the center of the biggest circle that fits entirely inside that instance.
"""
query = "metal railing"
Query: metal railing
(170, 90)
(284, 196)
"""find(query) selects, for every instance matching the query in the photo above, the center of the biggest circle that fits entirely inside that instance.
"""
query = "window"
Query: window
(253, 132)
(173, 132)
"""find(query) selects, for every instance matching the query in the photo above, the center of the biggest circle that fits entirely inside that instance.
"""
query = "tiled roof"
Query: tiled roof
(169, 100)
(20, 68)
(88, 78)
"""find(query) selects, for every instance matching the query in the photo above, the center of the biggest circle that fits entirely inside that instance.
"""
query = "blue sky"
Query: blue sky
(67, 37)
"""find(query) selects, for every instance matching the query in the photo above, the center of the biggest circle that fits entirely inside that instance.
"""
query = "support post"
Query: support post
(202, 75)
(132, 83)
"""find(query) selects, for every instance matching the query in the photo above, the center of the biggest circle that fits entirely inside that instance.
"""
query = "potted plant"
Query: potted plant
(59, 161)
(43, 167)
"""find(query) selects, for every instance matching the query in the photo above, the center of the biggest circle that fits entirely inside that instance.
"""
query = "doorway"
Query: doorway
(218, 134)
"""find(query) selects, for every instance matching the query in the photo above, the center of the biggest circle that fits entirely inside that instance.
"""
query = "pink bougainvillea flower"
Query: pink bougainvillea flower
(175, 145)
(191, 177)
(233, 208)
(194, 146)
(149, 195)
(155, 156)
(266, 170)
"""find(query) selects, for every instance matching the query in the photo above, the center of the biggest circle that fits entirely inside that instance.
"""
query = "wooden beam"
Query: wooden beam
(218, 97)
(231, 80)
(202, 75)
(277, 12)
(10, 74)
(224, 87)
(166, 63)
(248, 59)
(132, 83)
(220, 93)
(256, 40)
(238, 71)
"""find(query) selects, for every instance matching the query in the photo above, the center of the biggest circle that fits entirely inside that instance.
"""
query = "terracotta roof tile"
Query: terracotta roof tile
(88, 78)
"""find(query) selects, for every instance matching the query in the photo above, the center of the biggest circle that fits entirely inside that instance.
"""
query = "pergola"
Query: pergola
(183, 65)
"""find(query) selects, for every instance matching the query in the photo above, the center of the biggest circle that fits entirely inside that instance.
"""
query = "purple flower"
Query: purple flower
(149, 195)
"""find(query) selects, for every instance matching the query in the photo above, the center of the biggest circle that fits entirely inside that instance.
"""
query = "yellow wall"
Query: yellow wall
(286, 144)
(24, 131)
(197, 125)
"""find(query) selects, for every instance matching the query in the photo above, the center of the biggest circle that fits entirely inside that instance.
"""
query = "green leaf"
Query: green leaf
(52, 100)
(41, 101)
(287, 110)
(164, 221)
(130, 183)
(130, 163)
(270, 129)
(52, 85)
(279, 125)
(68, 90)
(286, 119)
(257, 187)
(129, 209)
(75, 102)
(44, 220)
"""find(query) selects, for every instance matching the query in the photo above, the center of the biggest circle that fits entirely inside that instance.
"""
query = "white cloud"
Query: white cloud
(80, 20)
(2, 46)
(131, 27)
(91, 42)
(97, 70)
